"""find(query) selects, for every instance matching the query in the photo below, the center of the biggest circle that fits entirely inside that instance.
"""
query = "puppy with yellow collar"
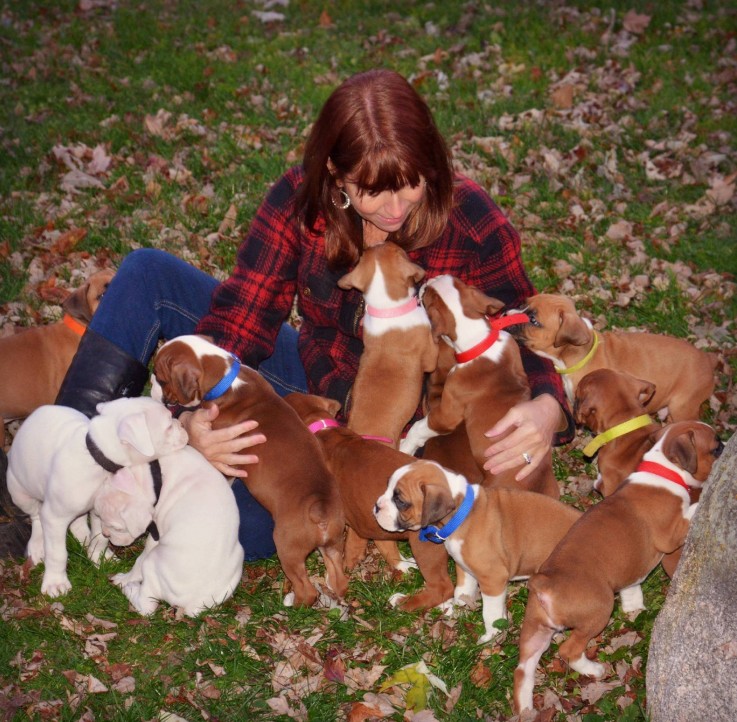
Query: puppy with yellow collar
(495, 534)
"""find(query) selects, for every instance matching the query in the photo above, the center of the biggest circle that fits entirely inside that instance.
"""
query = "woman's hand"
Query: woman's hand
(530, 427)
(223, 448)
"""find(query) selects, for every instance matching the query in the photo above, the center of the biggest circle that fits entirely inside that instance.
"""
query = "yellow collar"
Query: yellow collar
(584, 360)
(616, 431)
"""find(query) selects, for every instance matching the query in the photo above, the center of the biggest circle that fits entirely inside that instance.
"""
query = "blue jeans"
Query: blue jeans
(154, 296)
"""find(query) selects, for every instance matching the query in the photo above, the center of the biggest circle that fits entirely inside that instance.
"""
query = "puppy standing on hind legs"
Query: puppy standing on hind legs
(648, 516)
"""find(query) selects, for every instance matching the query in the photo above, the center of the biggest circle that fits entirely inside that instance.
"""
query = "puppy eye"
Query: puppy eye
(399, 502)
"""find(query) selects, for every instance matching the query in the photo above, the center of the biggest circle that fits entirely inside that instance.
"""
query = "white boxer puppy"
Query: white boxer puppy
(195, 560)
(58, 461)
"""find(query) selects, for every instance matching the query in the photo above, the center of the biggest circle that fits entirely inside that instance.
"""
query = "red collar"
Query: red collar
(496, 325)
(77, 326)
(652, 467)
(394, 311)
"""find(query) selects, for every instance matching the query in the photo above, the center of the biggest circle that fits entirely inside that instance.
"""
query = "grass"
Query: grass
(240, 95)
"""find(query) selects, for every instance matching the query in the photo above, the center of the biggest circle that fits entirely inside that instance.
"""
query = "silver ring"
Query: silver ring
(527, 458)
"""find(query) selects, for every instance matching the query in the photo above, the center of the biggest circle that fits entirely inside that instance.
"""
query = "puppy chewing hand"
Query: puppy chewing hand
(223, 448)
(523, 436)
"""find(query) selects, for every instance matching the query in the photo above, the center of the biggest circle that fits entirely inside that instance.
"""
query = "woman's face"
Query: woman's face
(387, 210)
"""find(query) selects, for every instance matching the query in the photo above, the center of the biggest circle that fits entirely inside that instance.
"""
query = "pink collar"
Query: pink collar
(496, 324)
(323, 424)
(652, 467)
(394, 311)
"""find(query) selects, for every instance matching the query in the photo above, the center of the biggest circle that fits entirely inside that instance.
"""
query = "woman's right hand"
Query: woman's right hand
(223, 448)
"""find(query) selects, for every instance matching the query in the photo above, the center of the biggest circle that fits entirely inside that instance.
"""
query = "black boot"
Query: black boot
(15, 526)
(100, 371)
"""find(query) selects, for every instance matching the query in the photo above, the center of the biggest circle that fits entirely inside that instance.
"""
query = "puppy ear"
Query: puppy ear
(186, 380)
(682, 451)
(330, 405)
(133, 430)
(75, 304)
(645, 392)
(411, 271)
(483, 305)
(358, 278)
(572, 330)
(436, 503)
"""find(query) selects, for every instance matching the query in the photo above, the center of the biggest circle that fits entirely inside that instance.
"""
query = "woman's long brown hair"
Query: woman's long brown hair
(378, 132)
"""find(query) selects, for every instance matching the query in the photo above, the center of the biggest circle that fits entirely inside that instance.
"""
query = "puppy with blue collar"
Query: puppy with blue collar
(495, 534)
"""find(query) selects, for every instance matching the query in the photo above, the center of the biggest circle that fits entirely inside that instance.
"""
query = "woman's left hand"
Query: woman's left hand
(530, 426)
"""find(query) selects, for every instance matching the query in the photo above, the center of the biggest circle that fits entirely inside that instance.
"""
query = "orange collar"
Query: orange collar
(77, 326)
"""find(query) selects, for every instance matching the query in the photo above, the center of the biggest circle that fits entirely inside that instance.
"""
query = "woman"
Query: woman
(375, 169)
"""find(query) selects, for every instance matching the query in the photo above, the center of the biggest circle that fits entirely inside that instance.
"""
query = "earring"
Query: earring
(345, 198)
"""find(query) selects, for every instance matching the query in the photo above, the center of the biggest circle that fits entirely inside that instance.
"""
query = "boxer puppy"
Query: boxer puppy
(34, 361)
(194, 561)
(487, 380)
(612, 548)
(59, 460)
(398, 345)
(291, 479)
(361, 467)
(612, 405)
(683, 375)
(494, 534)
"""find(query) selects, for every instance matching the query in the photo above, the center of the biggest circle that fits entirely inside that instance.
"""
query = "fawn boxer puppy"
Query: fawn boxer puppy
(291, 479)
(487, 380)
(34, 361)
(59, 460)
(683, 375)
(612, 405)
(612, 548)
(195, 560)
(494, 534)
(362, 467)
(398, 345)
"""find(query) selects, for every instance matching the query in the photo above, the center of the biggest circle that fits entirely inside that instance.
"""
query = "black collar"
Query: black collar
(155, 467)
(96, 453)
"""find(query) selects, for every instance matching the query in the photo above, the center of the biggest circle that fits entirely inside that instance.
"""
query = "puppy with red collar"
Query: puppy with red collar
(612, 548)
(683, 375)
(487, 380)
(34, 361)
(494, 534)
(291, 480)
(362, 466)
(398, 345)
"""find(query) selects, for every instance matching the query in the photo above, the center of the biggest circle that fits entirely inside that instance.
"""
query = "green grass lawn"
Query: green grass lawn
(605, 131)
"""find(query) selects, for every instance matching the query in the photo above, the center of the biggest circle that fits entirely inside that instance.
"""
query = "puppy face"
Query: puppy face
(553, 325)
(83, 302)
(136, 430)
(417, 494)
(691, 445)
(605, 394)
(124, 505)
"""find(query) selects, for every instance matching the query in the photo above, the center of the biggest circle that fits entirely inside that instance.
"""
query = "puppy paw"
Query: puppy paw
(35, 550)
(396, 599)
(488, 636)
(631, 599)
(584, 665)
(406, 563)
(55, 586)
(120, 579)
(289, 599)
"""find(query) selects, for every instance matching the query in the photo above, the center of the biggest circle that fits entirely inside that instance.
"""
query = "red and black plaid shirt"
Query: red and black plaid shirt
(278, 260)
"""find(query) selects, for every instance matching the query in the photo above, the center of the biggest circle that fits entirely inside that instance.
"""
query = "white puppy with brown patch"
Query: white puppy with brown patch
(58, 461)
(192, 559)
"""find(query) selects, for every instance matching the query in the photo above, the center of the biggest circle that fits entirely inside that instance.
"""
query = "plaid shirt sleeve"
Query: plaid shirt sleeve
(481, 247)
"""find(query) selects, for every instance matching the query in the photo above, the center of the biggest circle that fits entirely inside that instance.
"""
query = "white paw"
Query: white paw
(488, 636)
(448, 607)
(55, 586)
(35, 550)
(396, 599)
(406, 564)
(584, 665)
(120, 580)
(408, 446)
(631, 599)
(289, 599)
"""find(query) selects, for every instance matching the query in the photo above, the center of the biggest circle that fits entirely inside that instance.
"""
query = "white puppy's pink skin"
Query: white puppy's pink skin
(647, 516)
(197, 561)
(54, 479)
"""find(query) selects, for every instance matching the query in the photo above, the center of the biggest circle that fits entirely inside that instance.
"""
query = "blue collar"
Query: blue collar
(438, 536)
(225, 383)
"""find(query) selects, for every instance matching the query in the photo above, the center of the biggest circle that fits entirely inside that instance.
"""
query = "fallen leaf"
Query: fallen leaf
(635, 23)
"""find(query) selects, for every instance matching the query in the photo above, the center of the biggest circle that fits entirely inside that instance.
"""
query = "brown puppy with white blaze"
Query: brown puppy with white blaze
(612, 405)
(495, 534)
(683, 375)
(291, 479)
(612, 548)
(34, 361)
(398, 344)
(487, 380)
(361, 467)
